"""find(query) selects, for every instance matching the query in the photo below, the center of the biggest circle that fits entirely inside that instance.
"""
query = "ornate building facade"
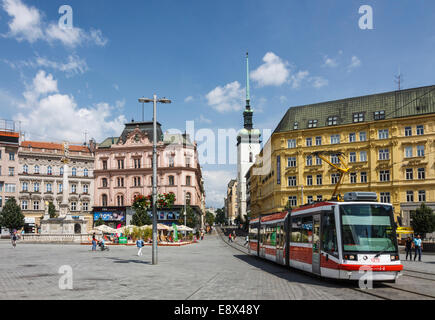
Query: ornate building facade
(123, 170)
(388, 140)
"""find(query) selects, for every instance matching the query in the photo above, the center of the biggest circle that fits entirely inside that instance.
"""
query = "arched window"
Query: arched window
(104, 200)
(120, 200)
(77, 228)
(74, 172)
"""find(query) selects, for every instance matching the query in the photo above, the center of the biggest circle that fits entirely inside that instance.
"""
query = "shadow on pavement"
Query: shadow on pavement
(117, 260)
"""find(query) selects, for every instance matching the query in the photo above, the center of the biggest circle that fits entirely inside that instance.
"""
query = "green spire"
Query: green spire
(248, 97)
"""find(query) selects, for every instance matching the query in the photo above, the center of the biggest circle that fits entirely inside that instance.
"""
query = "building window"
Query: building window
(421, 173)
(291, 143)
(291, 162)
(409, 173)
(61, 171)
(352, 137)
(409, 196)
(36, 187)
(25, 186)
(49, 171)
(422, 196)
(104, 164)
(379, 115)
(12, 156)
(312, 123)
(334, 178)
(137, 163)
(36, 169)
(188, 197)
(292, 181)
(73, 206)
(171, 180)
(363, 156)
(86, 172)
(73, 188)
(121, 164)
(85, 189)
(171, 162)
(384, 175)
(85, 206)
(420, 151)
(188, 180)
(60, 187)
(309, 160)
(335, 159)
(318, 141)
(335, 139)
(104, 200)
(319, 198)
(358, 117)
(352, 157)
(295, 126)
(385, 197)
(74, 172)
(104, 182)
(120, 182)
(332, 121)
(49, 187)
(384, 154)
(363, 177)
(353, 177)
(24, 205)
(293, 201)
(310, 199)
(319, 179)
(383, 134)
(251, 157)
(408, 152)
(420, 130)
(35, 205)
(408, 131)
(318, 161)
(11, 171)
(25, 169)
(309, 142)
(188, 161)
(309, 180)
(120, 200)
(362, 136)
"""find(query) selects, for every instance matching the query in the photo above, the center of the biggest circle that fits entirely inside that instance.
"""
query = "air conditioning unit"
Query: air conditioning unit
(361, 196)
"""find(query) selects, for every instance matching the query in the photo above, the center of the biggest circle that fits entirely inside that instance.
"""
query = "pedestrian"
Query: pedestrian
(140, 243)
(94, 243)
(22, 234)
(246, 240)
(234, 235)
(408, 248)
(230, 238)
(202, 235)
(14, 239)
(418, 247)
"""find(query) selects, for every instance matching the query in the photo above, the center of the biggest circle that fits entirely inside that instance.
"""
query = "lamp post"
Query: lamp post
(185, 213)
(155, 101)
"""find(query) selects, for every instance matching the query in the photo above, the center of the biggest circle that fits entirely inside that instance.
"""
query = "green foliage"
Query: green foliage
(423, 220)
(52, 210)
(11, 216)
(220, 216)
(209, 218)
(99, 222)
(141, 218)
(192, 219)
(163, 201)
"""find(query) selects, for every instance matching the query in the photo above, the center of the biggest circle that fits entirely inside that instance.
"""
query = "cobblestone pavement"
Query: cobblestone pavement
(209, 270)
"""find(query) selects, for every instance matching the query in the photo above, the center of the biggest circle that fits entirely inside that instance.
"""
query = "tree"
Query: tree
(192, 219)
(99, 222)
(209, 218)
(11, 217)
(220, 216)
(52, 210)
(141, 218)
(423, 220)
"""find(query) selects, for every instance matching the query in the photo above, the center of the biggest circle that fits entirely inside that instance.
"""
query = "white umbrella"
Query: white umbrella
(161, 226)
(106, 229)
(95, 231)
(184, 228)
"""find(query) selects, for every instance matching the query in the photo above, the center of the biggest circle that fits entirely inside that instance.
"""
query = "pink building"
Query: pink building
(123, 169)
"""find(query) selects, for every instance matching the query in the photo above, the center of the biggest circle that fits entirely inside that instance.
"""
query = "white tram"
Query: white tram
(332, 239)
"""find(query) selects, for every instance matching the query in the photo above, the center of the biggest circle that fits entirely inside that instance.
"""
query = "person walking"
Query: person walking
(246, 240)
(230, 237)
(14, 239)
(408, 248)
(140, 243)
(94, 243)
(418, 247)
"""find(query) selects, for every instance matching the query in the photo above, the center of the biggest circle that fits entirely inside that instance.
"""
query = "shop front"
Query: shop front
(113, 217)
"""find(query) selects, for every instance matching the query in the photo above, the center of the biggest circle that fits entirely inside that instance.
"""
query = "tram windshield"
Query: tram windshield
(368, 228)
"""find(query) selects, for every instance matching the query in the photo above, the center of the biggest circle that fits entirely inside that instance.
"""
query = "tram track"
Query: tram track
(383, 293)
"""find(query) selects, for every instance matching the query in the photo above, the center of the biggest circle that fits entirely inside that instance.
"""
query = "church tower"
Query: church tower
(248, 147)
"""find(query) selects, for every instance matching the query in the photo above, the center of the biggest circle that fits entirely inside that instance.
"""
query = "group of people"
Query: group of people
(232, 236)
(413, 245)
(100, 243)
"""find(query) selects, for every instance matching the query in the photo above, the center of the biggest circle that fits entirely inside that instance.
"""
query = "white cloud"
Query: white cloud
(50, 115)
(227, 98)
(27, 24)
(274, 71)
(203, 119)
(329, 62)
(298, 77)
(215, 183)
(355, 63)
(188, 99)
(319, 82)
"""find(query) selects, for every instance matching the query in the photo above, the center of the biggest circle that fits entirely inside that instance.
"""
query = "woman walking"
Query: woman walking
(408, 248)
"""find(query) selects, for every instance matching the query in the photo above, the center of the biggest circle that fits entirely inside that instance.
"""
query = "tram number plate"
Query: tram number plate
(375, 260)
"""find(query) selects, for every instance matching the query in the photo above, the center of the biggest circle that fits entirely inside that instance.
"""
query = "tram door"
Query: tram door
(316, 244)
(279, 244)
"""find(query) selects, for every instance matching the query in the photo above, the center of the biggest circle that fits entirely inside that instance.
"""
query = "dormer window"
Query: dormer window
(379, 115)
(296, 126)
(332, 121)
(358, 117)
(312, 123)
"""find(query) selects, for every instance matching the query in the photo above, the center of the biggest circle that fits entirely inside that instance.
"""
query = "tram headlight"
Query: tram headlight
(394, 258)
(350, 257)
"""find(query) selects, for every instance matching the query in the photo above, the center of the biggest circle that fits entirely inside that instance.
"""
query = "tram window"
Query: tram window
(329, 234)
(253, 232)
(307, 230)
(281, 237)
(296, 229)
(262, 235)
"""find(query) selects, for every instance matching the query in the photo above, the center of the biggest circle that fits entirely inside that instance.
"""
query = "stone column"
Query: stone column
(64, 206)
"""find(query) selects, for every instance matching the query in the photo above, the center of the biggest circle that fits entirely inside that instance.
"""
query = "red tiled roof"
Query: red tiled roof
(52, 146)
(10, 134)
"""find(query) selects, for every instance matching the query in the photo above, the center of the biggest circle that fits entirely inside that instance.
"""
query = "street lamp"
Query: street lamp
(185, 213)
(155, 101)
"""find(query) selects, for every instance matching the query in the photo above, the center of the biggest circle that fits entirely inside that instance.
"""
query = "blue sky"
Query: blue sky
(59, 84)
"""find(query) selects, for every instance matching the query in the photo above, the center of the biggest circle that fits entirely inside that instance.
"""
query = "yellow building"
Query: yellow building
(231, 209)
(387, 140)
